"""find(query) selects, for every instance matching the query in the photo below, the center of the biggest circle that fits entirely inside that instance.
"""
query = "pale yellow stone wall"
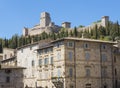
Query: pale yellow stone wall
(46, 72)
(79, 64)
(94, 63)
(8, 53)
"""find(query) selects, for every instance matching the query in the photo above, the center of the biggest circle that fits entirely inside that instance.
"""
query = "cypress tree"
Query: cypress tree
(75, 32)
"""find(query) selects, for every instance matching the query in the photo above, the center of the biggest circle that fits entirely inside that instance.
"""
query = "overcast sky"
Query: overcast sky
(17, 14)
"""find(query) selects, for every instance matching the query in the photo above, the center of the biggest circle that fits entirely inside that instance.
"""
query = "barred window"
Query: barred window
(87, 56)
(87, 72)
(70, 55)
(70, 44)
(70, 72)
(104, 57)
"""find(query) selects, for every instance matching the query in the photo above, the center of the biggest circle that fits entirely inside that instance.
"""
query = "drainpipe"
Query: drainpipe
(101, 64)
(112, 68)
(75, 63)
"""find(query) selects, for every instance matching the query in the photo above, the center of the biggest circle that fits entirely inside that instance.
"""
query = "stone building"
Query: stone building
(11, 76)
(9, 57)
(116, 65)
(103, 22)
(68, 63)
(64, 63)
(45, 25)
(75, 63)
(27, 58)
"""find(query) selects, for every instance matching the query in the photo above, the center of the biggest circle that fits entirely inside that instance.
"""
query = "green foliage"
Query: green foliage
(1, 50)
(109, 33)
(81, 26)
(75, 32)
(107, 38)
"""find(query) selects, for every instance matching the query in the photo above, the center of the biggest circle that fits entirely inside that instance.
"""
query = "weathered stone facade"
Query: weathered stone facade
(9, 57)
(103, 22)
(69, 63)
(73, 63)
(45, 26)
(11, 77)
(116, 65)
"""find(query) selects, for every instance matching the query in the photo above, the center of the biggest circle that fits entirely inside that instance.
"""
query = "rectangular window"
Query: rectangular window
(105, 86)
(71, 86)
(33, 63)
(70, 55)
(103, 46)
(40, 51)
(51, 60)
(70, 72)
(87, 56)
(70, 44)
(104, 57)
(87, 72)
(59, 73)
(40, 62)
(104, 72)
(115, 72)
(7, 79)
(59, 55)
(88, 86)
(114, 59)
(46, 61)
(86, 46)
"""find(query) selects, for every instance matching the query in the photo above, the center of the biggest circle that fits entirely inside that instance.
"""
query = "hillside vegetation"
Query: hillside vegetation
(109, 33)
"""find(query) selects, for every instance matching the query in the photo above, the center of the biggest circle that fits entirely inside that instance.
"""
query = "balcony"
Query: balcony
(58, 82)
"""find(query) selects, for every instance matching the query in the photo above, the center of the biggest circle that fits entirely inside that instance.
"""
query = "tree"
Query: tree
(1, 48)
(66, 33)
(75, 32)
(71, 33)
(96, 32)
